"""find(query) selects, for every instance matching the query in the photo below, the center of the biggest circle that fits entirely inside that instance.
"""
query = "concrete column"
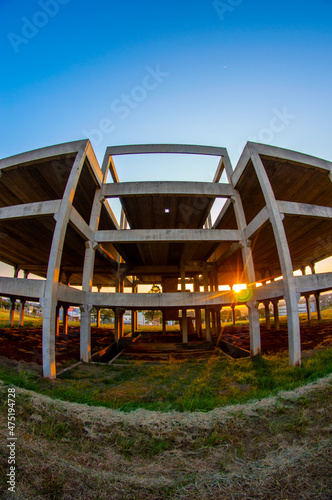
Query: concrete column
(116, 324)
(307, 302)
(307, 297)
(53, 270)
(184, 326)
(211, 281)
(65, 319)
(121, 330)
(267, 314)
(216, 281)
(233, 314)
(218, 320)
(276, 314)
(13, 300)
(318, 308)
(214, 326)
(255, 336)
(11, 311)
(21, 321)
(198, 315)
(248, 262)
(97, 317)
(207, 324)
(291, 295)
(183, 278)
(57, 320)
(164, 321)
(134, 312)
(198, 321)
(22, 302)
(205, 278)
(119, 286)
(85, 333)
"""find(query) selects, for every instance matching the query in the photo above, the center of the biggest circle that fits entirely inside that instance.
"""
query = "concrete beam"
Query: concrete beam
(80, 225)
(291, 208)
(140, 301)
(166, 149)
(44, 153)
(241, 166)
(22, 288)
(256, 223)
(30, 210)
(287, 154)
(167, 188)
(311, 283)
(167, 235)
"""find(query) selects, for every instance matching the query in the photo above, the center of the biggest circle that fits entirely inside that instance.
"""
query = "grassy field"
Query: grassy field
(217, 429)
(191, 385)
(277, 449)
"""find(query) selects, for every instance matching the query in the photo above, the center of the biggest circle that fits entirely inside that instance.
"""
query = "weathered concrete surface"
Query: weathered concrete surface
(59, 225)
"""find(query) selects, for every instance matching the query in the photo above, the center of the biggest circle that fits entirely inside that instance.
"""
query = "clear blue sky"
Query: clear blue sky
(174, 72)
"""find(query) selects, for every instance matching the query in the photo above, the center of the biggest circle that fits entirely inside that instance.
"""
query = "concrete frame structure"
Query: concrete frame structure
(56, 223)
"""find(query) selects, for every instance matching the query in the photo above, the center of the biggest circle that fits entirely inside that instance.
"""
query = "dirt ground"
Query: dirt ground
(26, 344)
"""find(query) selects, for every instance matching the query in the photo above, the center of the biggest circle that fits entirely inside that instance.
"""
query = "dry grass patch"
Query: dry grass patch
(276, 448)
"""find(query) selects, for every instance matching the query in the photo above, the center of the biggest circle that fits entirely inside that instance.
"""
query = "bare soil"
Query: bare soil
(26, 344)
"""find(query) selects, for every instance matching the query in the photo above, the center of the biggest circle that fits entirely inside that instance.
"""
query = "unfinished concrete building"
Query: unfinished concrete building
(56, 222)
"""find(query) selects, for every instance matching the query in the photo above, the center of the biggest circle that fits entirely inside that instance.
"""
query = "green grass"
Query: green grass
(184, 386)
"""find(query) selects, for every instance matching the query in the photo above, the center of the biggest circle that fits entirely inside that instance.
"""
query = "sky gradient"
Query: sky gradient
(196, 72)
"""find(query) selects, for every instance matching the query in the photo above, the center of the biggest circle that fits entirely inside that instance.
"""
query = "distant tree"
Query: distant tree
(151, 315)
(106, 315)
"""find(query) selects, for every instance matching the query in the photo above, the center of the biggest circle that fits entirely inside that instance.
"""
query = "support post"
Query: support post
(218, 320)
(255, 335)
(307, 302)
(57, 320)
(207, 323)
(198, 314)
(12, 310)
(21, 321)
(233, 314)
(116, 325)
(276, 314)
(205, 278)
(54, 262)
(291, 295)
(85, 333)
(184, 326)
(318, 308)
(214, 326)
(267, 314)
(97, 317)
(183, 277)
(198, 321)
(65, 319)
(163, 312)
